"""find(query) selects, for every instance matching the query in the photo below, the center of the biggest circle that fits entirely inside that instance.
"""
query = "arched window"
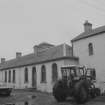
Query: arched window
(43, 73)
(5, 76)
(14, 76)
(26, 75)
(9, 76)
(90, 47)
(34, 77)
(54, 72)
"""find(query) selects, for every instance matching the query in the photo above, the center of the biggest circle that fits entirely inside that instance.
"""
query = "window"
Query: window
(90, 47)
(26, 75)
(9, 76)
(34, 77)
(54, 72)
(14, 76)
(5, 76)
(43, 74)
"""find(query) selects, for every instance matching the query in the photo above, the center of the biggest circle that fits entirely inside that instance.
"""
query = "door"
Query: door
(34, 77)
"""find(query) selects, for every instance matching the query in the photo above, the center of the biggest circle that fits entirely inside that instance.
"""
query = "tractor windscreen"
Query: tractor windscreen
(65, 72)
(80, 71)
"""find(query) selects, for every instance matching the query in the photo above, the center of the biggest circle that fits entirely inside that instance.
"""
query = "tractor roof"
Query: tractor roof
(72, 66)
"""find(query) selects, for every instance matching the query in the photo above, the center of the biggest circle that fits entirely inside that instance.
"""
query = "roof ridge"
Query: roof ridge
(18, 58)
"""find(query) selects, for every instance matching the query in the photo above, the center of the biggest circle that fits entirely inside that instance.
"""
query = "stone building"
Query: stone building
(89, 47)
(41, 69)
(37, 70)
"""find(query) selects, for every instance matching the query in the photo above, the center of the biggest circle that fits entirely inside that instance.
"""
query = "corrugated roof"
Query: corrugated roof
(42, 56)
(90, 33)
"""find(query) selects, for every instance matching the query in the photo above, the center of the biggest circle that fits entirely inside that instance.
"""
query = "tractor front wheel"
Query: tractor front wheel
(82, 95)
(97, 91)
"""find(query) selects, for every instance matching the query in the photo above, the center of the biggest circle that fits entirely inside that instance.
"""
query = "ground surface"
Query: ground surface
(38, 98)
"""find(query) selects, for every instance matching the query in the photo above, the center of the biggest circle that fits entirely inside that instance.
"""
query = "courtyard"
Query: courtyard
(21, 97)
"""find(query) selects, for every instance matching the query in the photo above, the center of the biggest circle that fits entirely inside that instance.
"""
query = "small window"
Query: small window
(9, 76)
(90, 47)
(26, 75)
(54, 72)
(14, 76)
(5, 76)
(43, 74)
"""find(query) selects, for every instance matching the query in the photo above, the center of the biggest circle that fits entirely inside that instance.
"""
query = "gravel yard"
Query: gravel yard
(38, 98)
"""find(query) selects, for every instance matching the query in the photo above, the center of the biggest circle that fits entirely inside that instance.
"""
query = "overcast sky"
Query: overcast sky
(25, 23)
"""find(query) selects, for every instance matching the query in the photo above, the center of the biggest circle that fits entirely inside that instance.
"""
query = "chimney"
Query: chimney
(87, 26)
(2, 60)
(18, 54)
(35, 49)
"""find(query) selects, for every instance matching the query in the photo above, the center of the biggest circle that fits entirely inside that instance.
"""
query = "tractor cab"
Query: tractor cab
(72, 72)
(91, 73)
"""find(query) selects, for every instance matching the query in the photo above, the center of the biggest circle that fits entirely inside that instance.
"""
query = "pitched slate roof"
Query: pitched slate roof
(53, 53)
(90, 33)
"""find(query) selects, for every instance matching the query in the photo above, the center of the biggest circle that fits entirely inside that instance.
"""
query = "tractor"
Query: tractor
(76, 82)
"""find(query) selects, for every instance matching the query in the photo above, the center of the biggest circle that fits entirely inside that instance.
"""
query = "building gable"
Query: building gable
(90, 33)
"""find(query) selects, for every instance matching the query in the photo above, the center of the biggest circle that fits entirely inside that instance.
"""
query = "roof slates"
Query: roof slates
(93, 32)
(45, 55)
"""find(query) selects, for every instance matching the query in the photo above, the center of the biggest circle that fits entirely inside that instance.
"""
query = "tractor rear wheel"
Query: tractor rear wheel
(59, 92)
(81, 95)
